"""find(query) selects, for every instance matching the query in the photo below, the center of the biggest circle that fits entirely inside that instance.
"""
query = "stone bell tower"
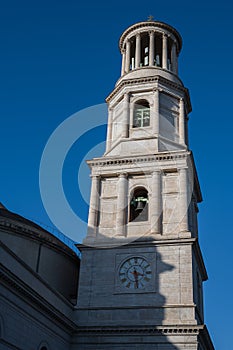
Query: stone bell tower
(142, 269)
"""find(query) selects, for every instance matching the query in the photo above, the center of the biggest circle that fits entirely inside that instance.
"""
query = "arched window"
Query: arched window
(139, 205)
(141, 114)
(43, 346)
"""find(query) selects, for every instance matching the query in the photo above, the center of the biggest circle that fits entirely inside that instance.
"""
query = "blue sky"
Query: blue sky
(58, 57)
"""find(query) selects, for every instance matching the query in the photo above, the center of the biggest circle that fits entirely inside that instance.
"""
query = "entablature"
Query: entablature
(139, 84)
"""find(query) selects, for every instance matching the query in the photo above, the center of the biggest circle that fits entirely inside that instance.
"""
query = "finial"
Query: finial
(150, 18)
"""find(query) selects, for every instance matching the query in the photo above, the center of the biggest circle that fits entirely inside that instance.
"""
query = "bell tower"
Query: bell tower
(142, 270)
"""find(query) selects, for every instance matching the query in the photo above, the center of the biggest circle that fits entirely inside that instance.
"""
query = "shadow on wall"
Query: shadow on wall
(122, 304)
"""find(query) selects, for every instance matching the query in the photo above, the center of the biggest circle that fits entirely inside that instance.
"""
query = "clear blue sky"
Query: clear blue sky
(58, 57)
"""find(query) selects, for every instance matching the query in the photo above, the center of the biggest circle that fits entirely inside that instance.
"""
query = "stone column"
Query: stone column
(109, 130)
(174, 58)
(138, 51)
(156, 114)
(164, 60)
(94, 206)
(182, 122)
(155, 204)
(152, 49)
(183, 202)
(123, 63)
(127, 58)
(125, 126)
(121, 204)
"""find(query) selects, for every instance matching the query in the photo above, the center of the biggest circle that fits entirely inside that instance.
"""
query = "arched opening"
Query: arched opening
(144, 50)
(169, 54)
(158, 50)
(43, 346)
(132, 53)
(139, 205)
(141, 114)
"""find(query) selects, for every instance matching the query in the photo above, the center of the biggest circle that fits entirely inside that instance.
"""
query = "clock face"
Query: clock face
(135, 273)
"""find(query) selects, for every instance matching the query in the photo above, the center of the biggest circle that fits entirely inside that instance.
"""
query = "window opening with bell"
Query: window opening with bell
(139, 205)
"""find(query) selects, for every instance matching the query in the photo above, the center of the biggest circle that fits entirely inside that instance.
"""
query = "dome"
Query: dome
(41, 251)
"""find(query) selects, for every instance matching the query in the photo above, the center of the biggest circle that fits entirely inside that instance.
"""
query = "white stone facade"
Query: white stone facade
(143, 210)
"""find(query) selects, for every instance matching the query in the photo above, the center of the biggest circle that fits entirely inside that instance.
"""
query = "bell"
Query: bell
(140, 205)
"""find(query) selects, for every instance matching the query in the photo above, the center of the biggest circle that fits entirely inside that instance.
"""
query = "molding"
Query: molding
(205, 338)
(171, 306)
(8, 345)
(104, 161)
(151, 79)
(43, 306)
(24, 291)
(16, 227)
(138, 243)
(151, 330)
(153, 25)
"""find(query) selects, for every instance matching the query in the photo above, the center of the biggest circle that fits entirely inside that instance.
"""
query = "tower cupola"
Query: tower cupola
(150, 47)
(149, 106)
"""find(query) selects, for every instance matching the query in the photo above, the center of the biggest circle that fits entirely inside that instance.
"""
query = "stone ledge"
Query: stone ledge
(142, 330)
(131, 160)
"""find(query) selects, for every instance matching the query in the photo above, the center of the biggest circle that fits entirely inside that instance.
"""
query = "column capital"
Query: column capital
(95, 176)
(122, 175)
(157, 172)
(182, 170)
(157, 89)
(126, 96)
(182, 104)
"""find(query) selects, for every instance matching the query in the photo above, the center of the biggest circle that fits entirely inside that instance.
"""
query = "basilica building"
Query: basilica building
(135, 282)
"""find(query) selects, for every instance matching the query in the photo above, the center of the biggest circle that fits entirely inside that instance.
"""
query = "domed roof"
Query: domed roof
(19, 224)
(2, 206)
(54, 260)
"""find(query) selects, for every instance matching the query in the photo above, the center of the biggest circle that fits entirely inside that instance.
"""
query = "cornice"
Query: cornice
(17, 286)
(138, 243)
(36, 235)
(150, 79)
(136, 159)
(152, 25)
(156, 330)
(205, 338)
(144, 307)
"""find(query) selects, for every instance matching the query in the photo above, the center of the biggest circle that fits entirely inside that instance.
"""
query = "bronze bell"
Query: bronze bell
(140, 206)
